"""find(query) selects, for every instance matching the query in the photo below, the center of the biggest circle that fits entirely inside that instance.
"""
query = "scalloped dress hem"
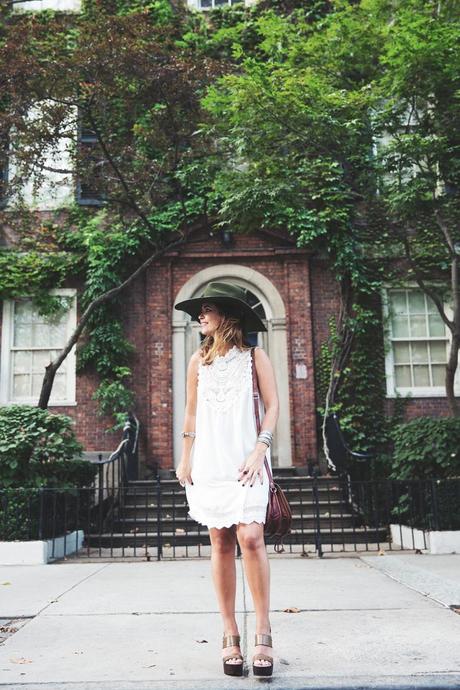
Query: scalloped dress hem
(219, 524)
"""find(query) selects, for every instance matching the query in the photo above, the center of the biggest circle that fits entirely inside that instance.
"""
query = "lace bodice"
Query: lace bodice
(221, 383)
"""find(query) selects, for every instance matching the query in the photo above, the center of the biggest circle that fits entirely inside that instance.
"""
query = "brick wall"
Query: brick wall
(310, 296)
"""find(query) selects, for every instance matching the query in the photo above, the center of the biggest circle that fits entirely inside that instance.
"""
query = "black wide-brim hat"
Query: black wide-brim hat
(233, 301)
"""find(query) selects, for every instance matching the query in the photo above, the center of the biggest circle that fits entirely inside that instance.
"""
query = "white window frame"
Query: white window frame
(196, 4)
(414, 391)
(5, 360)
(57, 5)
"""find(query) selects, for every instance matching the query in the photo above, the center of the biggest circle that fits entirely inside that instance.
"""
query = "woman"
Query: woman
(222, 462)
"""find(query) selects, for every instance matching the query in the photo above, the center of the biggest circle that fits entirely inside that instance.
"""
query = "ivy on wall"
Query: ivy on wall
(361, 399)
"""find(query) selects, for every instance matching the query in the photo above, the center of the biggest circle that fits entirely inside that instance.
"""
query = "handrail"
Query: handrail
(123, 453)
(115, 471)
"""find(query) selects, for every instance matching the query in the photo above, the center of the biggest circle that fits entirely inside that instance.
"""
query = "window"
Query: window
(29, 343)
(59, 5)
(90, 186)
(418, 344)
(211, 4)
(45, 182)
(3, 172)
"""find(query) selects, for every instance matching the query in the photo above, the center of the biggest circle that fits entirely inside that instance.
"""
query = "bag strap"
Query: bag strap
(255, 396)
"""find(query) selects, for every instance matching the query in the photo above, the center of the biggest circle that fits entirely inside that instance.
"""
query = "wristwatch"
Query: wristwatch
(188, 433)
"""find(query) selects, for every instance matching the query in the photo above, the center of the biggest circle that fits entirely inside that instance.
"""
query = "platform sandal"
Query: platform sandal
(235, 669)
(262, 638)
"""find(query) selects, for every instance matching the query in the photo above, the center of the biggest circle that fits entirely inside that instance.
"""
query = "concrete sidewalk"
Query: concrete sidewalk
(363, 622)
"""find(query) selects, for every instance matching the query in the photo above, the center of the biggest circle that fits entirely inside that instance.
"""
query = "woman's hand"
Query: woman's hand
(252, 468)
(183, 472)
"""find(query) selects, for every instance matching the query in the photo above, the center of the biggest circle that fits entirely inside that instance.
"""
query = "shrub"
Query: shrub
(39, 449)
(36, 446)
(426, 448)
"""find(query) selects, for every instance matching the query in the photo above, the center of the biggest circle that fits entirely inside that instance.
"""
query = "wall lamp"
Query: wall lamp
(226, 238)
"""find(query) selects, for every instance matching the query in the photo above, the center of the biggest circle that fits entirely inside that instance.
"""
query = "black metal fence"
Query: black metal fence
(150, 520)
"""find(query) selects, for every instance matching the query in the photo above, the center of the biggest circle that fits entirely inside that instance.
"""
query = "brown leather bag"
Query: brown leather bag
(279, 516)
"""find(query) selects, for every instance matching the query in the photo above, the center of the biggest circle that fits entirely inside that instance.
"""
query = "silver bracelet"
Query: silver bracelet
(266, 433)
(188, 433)
(265, 437)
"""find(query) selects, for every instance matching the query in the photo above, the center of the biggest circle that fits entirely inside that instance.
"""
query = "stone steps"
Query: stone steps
(346, 535)
(135, 522)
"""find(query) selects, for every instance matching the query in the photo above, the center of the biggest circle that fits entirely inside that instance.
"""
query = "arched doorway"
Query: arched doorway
(186, 339)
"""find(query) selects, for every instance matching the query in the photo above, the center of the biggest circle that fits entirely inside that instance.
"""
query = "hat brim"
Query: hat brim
(234, 306)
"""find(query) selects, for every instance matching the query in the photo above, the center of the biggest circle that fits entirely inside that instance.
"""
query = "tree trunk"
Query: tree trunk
(52, 367)
(451, 368)
(340, 356)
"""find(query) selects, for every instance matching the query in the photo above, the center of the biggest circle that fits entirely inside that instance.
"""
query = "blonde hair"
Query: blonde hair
(228, 333)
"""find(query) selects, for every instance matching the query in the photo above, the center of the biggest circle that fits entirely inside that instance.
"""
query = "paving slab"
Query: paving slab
(187, 647)
(434, 576)
(346, 583)
(169, 586)
(27, 589)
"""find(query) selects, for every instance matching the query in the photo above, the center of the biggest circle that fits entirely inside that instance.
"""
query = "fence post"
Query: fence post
(40, 514)
(317, 518)
(434, 500)
(159, 531)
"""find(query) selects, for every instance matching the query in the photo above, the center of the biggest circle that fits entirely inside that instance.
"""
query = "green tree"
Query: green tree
(298, 124)
(418, 118)
(118, 72)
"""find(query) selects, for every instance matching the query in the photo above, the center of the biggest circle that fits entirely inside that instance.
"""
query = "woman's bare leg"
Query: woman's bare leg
(223, 543)
(251, 539)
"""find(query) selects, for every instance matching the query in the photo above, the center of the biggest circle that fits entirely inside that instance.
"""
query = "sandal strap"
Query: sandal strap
(232, 656)
(262, 657)
(231, 641)
(262, 638)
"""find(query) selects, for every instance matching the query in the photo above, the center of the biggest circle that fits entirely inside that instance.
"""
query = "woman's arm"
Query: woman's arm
(184, 468)
(268, 392)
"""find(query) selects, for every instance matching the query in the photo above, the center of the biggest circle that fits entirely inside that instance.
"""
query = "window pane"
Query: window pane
(418, 326)
(37, 382)
(402, 376)
(22, 335)
(436, 325)
(41, 334)
(432, 309)
(400, 327)
(21, 384)
(439, 374)
(40, 359)
(419, 353)
(416, 302)
(398, 302)
(401, 353)
(21, 362)
(438, 352)
(58, 333)
(22, 312)
(59, 387)
(421, 376)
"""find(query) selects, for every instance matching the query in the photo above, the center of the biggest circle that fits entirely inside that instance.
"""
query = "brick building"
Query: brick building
(292, 290)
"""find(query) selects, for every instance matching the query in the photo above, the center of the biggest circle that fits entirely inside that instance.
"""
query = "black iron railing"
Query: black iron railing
(150, 519)
(30, 513)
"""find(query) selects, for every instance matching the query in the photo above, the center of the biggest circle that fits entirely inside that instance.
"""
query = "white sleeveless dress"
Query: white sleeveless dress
(226, 434)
